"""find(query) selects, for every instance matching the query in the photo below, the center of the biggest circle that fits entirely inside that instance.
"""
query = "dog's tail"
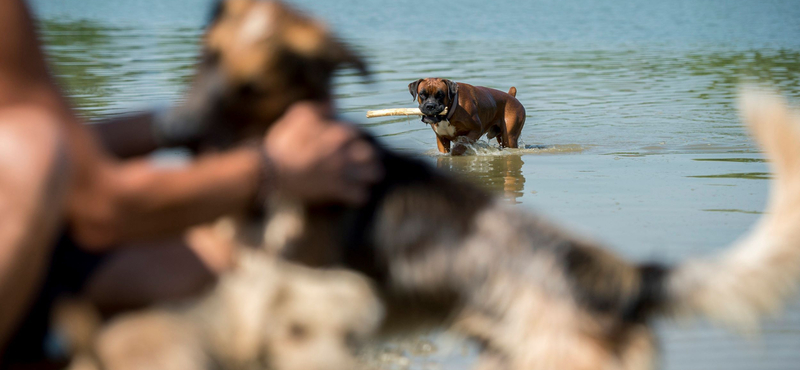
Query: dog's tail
(760, 270)
(512, 91)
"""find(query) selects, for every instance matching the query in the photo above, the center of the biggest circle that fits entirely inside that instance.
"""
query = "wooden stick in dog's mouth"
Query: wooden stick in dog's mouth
(398, 112)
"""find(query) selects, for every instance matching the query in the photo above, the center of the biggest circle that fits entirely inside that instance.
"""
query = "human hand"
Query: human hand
(317, 159)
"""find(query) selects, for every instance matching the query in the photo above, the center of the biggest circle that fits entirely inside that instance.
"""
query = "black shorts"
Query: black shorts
(69, 270)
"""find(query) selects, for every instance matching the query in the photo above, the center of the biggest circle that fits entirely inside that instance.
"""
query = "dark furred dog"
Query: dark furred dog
(535, 296)
(258, 58)
(472, 111)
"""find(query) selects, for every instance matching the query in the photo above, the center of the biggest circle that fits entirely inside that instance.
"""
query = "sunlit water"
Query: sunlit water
(631, 135)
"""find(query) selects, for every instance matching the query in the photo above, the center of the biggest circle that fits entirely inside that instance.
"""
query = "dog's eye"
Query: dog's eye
(249, 90)
(439, 95)
(298, 331)
(210, 57)
(351, 340)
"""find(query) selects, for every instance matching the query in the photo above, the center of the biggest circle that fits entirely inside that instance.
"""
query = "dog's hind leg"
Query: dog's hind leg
(762, 269)
(514, 120)
(495, 132)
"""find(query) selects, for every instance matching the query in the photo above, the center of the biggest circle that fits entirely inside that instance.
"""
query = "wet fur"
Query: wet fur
(479, 110)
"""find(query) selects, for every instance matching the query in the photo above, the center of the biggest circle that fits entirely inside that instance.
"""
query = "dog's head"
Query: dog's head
(258, 58)
(271, 314)
(318, 319)
(433, 96)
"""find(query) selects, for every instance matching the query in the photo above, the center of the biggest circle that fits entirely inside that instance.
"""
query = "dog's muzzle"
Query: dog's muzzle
(432, 119)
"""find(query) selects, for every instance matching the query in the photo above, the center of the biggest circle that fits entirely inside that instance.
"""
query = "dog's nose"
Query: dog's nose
(430, 106)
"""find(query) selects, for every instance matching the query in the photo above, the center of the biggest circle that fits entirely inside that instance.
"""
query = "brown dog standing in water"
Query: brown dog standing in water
(472, 111)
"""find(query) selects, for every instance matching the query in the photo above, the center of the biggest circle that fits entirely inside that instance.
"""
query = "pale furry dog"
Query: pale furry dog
(264, 314)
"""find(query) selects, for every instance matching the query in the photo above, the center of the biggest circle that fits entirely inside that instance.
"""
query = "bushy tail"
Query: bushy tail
(759, 271)
(512, 91)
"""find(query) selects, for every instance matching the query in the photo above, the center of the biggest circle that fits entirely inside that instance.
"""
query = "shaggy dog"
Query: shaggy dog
(536, 296)
(264, 314)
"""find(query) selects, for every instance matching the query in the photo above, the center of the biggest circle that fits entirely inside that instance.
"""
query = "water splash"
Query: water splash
(483, 148)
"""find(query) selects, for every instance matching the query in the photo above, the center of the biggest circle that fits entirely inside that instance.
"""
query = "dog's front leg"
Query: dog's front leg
(443, 144)
(460, 148)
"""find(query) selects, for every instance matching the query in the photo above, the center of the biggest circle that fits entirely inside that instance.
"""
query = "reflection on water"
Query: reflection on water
(106, 68)
(734, 211)
(501, 174)
(728, 69)
(739, 160)
(746, 175)
(416, 352)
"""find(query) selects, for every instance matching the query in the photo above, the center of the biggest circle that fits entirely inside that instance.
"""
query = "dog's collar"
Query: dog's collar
(452, 109)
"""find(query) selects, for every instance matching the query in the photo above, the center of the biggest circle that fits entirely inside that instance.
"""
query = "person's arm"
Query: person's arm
(306, 157)
(33, 176)
(135, 134)
(112, 201)
(33, 188)
(107, 201)
(127, 135)
(134, 200)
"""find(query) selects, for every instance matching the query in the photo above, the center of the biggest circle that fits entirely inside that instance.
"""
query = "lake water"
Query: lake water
(632, 104)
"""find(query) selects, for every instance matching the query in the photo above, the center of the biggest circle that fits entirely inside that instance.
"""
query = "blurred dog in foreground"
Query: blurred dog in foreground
(536, 296)
(265, 314)
(259, 58)
(445, 252)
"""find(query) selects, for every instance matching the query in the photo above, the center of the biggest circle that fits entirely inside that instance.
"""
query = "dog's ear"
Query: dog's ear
(216, 12)
(412, 88)
(452, 89)
(339, 53)
(312, 40)
(281, 296)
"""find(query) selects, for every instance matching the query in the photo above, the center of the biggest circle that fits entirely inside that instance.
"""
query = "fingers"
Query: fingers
(301, 119)
(336, 138)
(361, 152)
(320, 159)
(308, 114)
(365, 166)
(351, 195)
(354, 164)
(358, 156)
